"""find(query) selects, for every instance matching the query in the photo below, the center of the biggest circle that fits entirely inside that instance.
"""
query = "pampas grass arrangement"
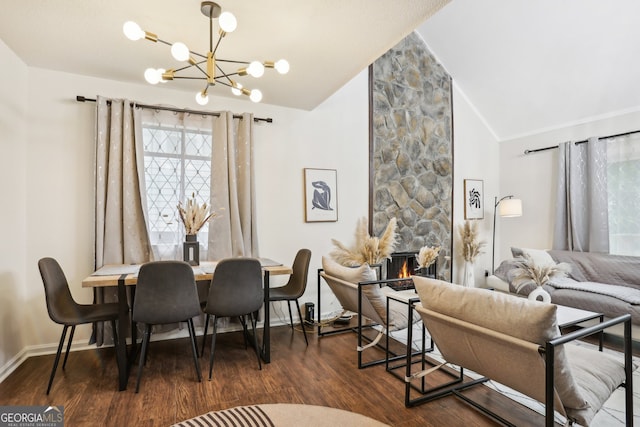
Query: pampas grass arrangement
(367, 249)
(527, 272)
(427, 255)
(194, 216)
(471, 244)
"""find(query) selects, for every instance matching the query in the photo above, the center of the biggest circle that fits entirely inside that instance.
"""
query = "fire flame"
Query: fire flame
(404, 271)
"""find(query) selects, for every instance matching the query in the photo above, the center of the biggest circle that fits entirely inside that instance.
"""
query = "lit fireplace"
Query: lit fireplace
(404, 271)
(404, 264)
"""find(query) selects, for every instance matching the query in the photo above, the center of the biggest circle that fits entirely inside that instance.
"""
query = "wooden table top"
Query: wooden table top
(109, 275)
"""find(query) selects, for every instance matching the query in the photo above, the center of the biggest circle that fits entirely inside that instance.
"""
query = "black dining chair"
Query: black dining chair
(65, 311)
(235, 291)
(295, 287)
(165, 293)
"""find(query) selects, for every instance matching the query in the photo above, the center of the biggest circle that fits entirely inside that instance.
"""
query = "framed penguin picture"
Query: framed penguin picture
(473, 199)
(320, 195)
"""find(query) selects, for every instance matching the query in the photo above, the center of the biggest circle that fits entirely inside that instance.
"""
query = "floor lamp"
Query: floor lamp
(509, 207)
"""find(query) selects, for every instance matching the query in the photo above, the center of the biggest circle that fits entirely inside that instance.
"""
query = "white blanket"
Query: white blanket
(624, 293)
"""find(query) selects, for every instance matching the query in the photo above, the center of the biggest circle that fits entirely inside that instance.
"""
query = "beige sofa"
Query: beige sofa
(516, 342)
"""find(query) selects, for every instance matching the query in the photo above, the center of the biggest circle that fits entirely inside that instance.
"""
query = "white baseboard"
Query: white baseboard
(44, 349)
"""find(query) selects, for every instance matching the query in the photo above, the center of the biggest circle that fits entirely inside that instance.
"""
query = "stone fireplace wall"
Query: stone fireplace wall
(412, 149)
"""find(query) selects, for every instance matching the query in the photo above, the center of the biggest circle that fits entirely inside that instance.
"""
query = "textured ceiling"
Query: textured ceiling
(326, 42)
(531, 66)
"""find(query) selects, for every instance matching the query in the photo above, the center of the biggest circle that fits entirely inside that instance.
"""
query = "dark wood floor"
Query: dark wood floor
(324, 373)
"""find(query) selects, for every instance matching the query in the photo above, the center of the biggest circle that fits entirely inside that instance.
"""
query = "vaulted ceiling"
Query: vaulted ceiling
(530, 66)
(525, 66)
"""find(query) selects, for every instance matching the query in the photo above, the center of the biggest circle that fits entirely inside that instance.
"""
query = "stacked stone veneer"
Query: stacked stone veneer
(413, 149)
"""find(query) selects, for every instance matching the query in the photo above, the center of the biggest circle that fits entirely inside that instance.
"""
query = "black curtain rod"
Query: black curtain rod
(581, 142)
(81, 98)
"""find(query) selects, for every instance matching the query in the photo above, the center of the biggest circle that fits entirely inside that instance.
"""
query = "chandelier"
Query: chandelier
(206, 67)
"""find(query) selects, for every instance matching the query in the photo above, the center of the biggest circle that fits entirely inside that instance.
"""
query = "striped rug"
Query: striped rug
(280, 415)
(241, 416)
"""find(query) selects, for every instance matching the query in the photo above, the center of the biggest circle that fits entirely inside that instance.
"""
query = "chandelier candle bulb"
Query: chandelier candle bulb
(228, 22)
(236, 88)
(152, 76)
(256, 95)
(202, 98)
(180, 52)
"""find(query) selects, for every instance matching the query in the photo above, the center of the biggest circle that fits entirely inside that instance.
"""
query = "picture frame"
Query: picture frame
(320, 195)
(473, 199)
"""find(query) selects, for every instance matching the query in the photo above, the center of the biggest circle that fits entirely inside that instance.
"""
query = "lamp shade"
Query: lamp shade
(510, 208)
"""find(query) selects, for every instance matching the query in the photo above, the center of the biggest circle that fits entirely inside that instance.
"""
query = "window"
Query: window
(177, 164)
(623, 187)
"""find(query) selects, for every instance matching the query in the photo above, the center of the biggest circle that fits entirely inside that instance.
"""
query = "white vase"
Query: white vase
(468, 279)
(539, 294)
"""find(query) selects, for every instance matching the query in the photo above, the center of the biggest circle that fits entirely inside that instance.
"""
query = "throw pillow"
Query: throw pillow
(362, 273)
(505, 272)
(539, 256)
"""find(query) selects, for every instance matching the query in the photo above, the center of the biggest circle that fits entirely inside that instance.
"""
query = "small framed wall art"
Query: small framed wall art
(320, 195)
(473, 199)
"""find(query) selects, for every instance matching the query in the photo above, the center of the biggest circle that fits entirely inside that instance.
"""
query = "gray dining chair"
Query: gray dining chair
(295, 287)
(165, 293)
(64, 310)
(235, 291)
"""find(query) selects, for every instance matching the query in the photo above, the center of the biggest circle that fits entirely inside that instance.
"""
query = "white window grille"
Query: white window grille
(177, 164)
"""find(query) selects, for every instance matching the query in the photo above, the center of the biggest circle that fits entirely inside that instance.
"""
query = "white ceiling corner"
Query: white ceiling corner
(532, 66)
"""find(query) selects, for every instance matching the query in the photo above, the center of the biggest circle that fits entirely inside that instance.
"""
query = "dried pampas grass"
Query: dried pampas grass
(471, 245)
(367, 249)
(427, 256)
(194, 216)
(527, 272)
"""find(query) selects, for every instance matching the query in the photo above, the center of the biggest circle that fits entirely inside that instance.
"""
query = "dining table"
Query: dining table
(123, 276)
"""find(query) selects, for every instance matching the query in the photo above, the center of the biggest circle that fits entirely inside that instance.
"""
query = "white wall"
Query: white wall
(13, 195)
(47, 165)
(533, 177)
(475, 157)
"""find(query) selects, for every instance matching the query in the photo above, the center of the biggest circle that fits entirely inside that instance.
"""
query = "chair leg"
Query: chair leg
(192, 334)
(304, 330)
(66, 354)
(115, 333)
(57, 359)
(290, 316)
(245, 332)
(204, 337)
(143, 355)
(213, 346)
(255, 340)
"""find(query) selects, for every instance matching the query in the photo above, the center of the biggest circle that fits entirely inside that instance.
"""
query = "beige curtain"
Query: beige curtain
(121, 234)
(233, 232)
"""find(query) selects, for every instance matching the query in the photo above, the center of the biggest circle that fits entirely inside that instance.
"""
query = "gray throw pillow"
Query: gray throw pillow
(506, 272)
